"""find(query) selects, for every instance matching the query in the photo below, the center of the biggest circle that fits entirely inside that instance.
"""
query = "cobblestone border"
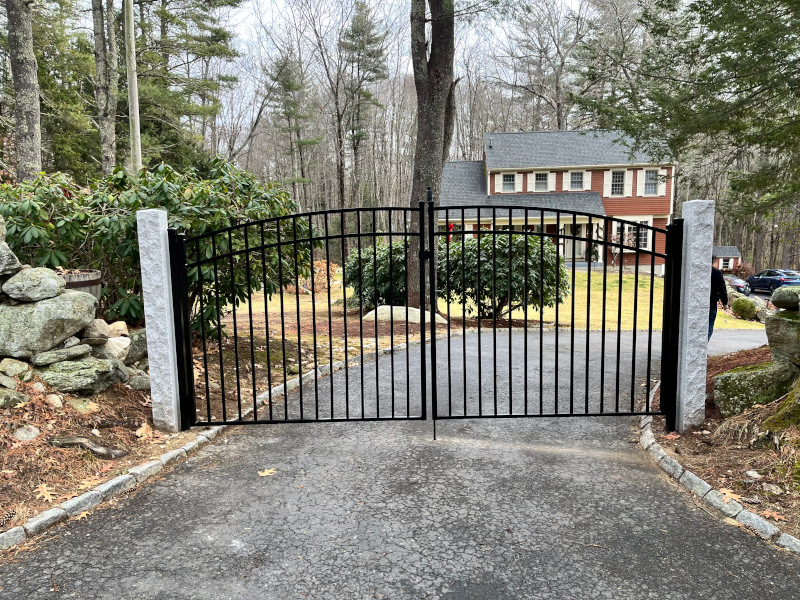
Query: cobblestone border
(703, 490)
(134, 477)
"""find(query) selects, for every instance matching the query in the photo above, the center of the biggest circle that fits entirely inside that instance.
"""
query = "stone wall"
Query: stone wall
(51, 333)
(739, 389)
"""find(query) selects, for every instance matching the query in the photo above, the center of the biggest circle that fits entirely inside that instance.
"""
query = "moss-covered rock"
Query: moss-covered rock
(787, 297)
(788, 412)
(741, 388)
(783, 333)
(87, 375)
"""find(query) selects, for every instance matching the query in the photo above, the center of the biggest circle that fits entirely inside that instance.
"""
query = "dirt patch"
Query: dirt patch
(724, 450)
(35, 476)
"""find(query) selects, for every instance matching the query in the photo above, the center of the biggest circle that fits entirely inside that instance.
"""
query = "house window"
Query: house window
(541, 182)
(617, 183)
(726, 264)
(651, 182)
(630, 236)
(508, 182)
(576, 180)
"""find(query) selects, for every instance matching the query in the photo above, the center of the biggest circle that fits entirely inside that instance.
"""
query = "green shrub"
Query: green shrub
(486, 291)
(459, 280)
(381, 281)
(53, 222)
(744, 309)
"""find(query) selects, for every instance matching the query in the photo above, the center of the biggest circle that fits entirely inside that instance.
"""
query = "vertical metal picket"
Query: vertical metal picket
(671, 325)
(183, 327)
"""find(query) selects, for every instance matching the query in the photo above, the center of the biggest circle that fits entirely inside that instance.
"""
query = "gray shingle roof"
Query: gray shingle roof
(727, 252)
(464, 184)
(535, 149)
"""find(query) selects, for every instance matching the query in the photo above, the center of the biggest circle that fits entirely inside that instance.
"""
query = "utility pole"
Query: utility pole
(133, 89)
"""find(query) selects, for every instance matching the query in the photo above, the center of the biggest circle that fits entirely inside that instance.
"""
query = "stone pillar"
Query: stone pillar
(157, 294)
(698, 239)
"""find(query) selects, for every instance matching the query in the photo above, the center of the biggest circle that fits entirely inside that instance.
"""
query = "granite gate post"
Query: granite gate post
(698, 240)
(159, 317)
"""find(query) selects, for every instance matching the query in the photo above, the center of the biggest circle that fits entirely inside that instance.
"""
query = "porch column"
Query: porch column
(698, 236)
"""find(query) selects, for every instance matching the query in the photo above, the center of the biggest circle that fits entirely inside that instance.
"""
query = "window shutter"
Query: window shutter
(662, 182)
(551, 181)
(517, 182)
(498, 183)
(565, 181)
(640, 176)
(587, 180)
(531, 182)
(606, 184)
(628, 182)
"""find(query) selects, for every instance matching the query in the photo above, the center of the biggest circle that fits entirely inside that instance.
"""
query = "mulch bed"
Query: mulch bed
(721, 451)
(35, 476)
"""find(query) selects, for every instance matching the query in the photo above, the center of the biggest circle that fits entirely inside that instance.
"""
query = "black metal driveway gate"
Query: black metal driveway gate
(530, 312)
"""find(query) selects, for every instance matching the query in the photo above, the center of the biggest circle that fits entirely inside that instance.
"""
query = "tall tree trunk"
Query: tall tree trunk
(105, 89)
(28, 134)
(433, 79)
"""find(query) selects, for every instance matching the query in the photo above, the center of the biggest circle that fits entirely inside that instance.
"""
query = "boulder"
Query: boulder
(787, 297)
(8, 382)
(138, 348)
(97, 329)
(9, 263)
(11, 399)
(386, 312)
(32, 328)
(13, 368)
(741, 388)
(783, 333)
(118, 329)
(115, 347)
(32, 285)
(87, 375)
(53, 356)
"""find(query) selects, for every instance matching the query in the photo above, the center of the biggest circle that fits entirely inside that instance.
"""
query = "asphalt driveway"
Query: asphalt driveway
(500, 509)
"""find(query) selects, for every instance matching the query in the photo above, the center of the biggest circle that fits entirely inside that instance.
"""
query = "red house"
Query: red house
(583, 171)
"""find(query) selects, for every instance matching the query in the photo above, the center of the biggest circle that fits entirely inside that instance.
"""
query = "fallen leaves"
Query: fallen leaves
(728, 495)
(144, 431)
(90, 483)
(774, 515)
(82, 515)
(45, 492)
(672, 436)
(267, 472)
(67, 496)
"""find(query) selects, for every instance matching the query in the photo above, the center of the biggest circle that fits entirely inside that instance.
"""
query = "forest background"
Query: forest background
(319, 95)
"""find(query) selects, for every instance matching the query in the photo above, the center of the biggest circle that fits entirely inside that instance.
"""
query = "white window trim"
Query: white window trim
(644, 193)
(532, 181)
(568, 184)
(635, 219)
(611, 172)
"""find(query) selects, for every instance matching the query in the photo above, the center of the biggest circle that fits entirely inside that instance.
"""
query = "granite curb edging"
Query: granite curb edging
(133, 478)
(703, 490)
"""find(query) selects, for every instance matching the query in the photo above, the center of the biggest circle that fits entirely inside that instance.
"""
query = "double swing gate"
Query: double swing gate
(407, 313)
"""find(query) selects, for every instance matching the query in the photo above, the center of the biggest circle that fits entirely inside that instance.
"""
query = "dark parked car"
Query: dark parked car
(771, 279)
(740, 285)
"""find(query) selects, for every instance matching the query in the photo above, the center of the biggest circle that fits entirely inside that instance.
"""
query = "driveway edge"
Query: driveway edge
(727, 508)
(122, 484)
